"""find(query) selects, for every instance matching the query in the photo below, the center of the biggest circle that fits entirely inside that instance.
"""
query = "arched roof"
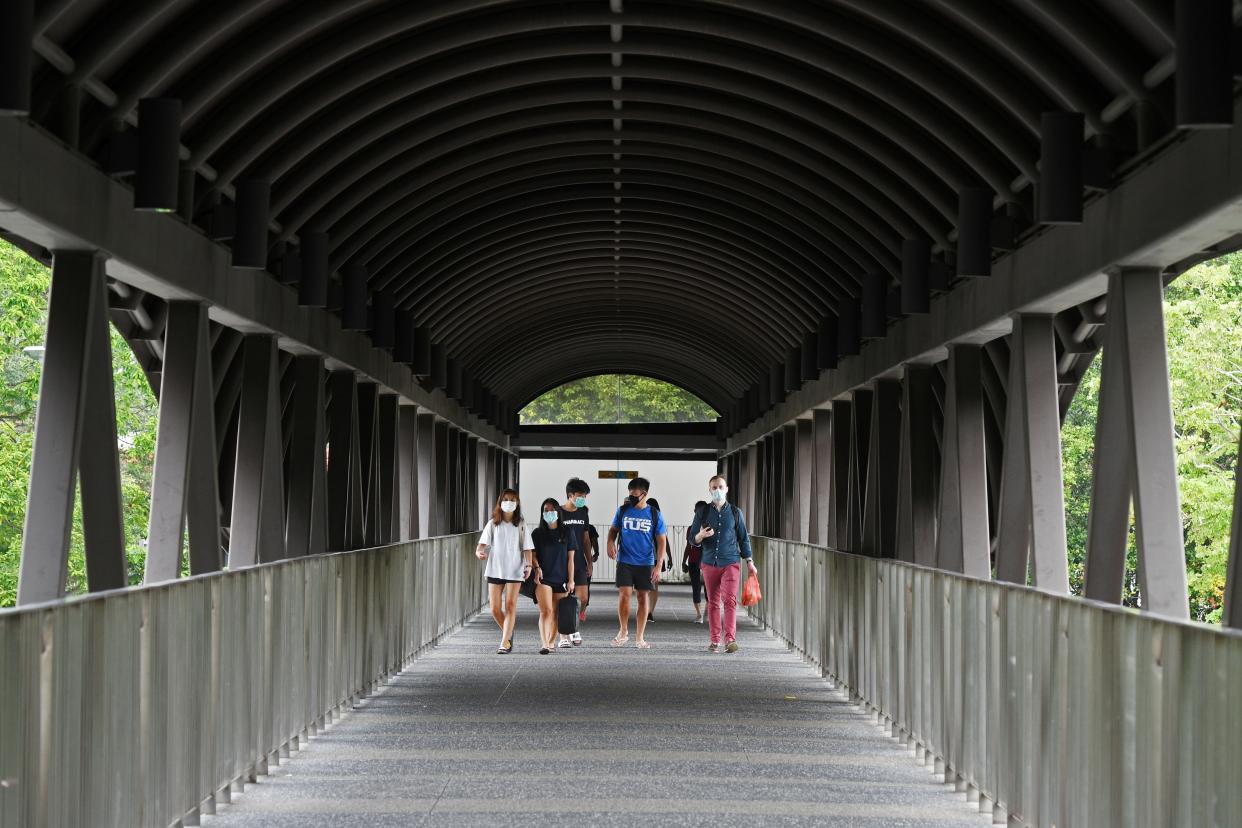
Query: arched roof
(647, 178)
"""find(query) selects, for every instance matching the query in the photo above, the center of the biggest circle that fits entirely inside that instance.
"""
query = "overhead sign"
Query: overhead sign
(610, 474)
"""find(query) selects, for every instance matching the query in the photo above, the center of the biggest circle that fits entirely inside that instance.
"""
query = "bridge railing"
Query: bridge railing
(605, 570)
(148, 706)
(1048, 710)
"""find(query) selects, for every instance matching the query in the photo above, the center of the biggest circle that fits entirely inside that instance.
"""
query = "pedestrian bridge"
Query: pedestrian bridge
(349, 241)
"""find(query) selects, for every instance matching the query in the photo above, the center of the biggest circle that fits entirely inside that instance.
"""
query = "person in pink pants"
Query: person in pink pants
(720, 528)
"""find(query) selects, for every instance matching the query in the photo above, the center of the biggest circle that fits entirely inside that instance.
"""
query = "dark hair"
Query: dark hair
(498, 517)
(641, 483)
(699, 505)
(543, 530)
(575, 485)
(653, 503)
(555, 505)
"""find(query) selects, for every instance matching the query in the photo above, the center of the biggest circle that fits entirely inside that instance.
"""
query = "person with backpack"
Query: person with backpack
(507, 547)
(636, 541)
(577, 518)
(691, 562)
(555, 544)
(720, 528)
(655, 585)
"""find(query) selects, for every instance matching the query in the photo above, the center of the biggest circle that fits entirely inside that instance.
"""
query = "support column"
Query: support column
(343, 475)
(426, 474)
(747, 481)
(369, 463)
(1032, 510)
(407, 460)
(860, 445)
(257, 528)
(789, 482)
(838, 521)
(439, 483)
(306, 525)
(806, 467)
(916, 491)
(388, 509)
(879, 532)
(821, 475)
(1135, 403)
(77, 374)
(185, 408)
(963, 544)
(481, 453)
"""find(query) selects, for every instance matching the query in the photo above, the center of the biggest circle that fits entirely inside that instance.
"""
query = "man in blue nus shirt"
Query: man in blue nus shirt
(641, 555)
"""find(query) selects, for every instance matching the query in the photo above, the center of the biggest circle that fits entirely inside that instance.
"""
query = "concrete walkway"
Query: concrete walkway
(602, 736)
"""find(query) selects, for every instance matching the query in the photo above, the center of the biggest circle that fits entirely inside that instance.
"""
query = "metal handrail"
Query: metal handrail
(146, 706)
(1047, 709)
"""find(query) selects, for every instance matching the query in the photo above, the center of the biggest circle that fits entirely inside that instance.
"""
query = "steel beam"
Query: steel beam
(425, 459)
(879, 526)
(388, 469)
(257, 527)
(342, 414)
(963, 543)
(916, 490)
(805, 476)
(1031, 531)
(407, 468)
(77, 372)
(184, 476)
(306, 527)
(821, 475)
(838, 520)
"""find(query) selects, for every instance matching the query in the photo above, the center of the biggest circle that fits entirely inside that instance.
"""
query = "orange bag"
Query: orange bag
(750, 593)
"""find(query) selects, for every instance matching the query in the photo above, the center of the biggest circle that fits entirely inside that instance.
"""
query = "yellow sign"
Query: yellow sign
(609, 474)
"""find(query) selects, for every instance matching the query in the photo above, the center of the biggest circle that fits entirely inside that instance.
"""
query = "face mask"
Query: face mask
(580, 502)
(719, 494)
(631, 501)
(508, 506)
(550, 517)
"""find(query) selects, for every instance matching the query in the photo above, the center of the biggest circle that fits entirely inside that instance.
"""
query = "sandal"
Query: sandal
(503, 650)
(643, 645)
(619, 642)
(544, 651)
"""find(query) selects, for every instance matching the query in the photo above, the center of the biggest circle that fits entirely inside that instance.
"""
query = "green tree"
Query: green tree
(617, 398)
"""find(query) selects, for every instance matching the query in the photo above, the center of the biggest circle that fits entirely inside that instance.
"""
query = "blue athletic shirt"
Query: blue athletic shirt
(637, 543)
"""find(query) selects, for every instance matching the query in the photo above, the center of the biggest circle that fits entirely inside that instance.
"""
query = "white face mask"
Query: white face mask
(719, 494)
(508, 506)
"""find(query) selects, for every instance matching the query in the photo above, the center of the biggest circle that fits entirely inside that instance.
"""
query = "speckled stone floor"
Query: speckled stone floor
(603, 736)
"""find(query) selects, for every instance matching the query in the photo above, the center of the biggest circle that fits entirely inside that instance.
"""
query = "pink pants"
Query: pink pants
(722, 584)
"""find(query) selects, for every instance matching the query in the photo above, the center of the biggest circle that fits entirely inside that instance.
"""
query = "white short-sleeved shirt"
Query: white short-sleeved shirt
(505, 543)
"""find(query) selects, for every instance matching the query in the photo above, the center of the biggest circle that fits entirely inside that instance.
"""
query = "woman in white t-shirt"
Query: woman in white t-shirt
(507, 547)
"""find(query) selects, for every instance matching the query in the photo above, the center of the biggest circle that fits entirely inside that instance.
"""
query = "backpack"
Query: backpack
(701, 516)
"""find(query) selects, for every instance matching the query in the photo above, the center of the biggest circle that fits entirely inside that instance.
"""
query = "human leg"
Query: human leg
(711, 580)
(644, 607)
(623, 614)
(543, 595)
(696, 591)
(730, 579)
(511, 599)
(495, 598)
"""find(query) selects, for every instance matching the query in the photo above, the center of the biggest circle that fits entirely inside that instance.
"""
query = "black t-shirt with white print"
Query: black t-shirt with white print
(579, 522)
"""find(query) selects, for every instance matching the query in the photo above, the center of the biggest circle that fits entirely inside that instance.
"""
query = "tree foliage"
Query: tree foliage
(24, 285)
(616, 398)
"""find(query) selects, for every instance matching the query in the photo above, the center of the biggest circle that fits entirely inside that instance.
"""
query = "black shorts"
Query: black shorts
(492, 580)
(557, 589)
(638, 577)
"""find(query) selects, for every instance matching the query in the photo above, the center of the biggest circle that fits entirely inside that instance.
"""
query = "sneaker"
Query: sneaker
(581, 616)
(731, 647)
(650, 618)
(564, 643)
(713, 647)
(575, 639)
(698, 619)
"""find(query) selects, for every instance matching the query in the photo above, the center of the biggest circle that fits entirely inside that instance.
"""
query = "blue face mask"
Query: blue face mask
(550, 517)
(580, 502)
(718, 494)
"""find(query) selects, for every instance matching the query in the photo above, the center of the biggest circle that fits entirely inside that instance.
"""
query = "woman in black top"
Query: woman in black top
(692, 563)
(554, 570)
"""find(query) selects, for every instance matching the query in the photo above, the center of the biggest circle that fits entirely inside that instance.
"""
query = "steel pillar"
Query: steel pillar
(257, 527)
(184, 475)
(806, 468)
(789, 482)
(859, 445)
(425, 458)
(407, 469)
(916, 490)
(879, 525)
(821, 475)
(838, 519)
(1032, 511)
(388, 469)
(77, 375)
(440, 481)
(306, 524)
(344, 477)
(963, 543)
(1135, 453)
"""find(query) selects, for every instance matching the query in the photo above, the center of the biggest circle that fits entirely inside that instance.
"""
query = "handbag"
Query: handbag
(567, 615)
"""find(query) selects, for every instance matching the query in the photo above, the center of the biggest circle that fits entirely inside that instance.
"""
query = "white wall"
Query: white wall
(677, 484)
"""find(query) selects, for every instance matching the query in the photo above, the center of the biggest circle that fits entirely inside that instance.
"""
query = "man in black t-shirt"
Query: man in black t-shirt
(576, 518)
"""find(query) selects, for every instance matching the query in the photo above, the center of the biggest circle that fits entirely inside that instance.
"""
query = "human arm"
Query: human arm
(661, 547)
(743, 543)
(485, 540)
(699, 528)
(569, 553)
(612, 542)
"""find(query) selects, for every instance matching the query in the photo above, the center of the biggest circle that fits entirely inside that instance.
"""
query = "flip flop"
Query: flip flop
(619, 642)
(643, 645)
